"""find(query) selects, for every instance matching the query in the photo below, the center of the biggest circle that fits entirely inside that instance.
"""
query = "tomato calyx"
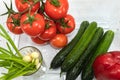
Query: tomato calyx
(16, 22)
(9, 10)
(30, 19)
(56, 3)
(47, 26)
(27, 1)
(24, 1)
(64, 23)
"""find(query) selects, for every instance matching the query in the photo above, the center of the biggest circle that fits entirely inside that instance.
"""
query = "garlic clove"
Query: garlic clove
(37, 61)
(27, 58)
(35, 55)
(38, 65)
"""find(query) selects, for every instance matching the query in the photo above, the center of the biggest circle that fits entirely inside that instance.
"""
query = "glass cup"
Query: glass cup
(42, 68)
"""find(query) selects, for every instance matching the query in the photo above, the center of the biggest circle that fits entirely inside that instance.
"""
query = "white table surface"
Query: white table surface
(105, 12)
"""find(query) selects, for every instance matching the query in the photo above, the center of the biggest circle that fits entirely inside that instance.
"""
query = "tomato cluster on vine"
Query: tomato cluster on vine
(44, 21)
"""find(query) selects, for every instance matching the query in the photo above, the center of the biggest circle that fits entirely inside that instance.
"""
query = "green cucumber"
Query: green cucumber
(73, 73)
(79, 48)
(59, 58)
(103, 46)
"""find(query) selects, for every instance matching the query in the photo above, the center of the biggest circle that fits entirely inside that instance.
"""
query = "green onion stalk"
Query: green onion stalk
(12, 60)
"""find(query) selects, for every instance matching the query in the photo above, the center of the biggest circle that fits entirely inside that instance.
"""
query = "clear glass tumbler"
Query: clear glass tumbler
(42, 68)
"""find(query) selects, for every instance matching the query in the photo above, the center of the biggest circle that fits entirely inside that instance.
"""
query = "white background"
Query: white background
(105, 12)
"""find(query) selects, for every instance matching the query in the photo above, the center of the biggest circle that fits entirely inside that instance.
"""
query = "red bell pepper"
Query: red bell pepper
(107, 66)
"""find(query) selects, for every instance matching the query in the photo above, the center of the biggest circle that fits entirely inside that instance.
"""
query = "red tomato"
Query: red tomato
(22, 5)
(37, 40)
(66, 24)
(56, 11)
(13, 24)
(33, 24)
(59, 41)
(50, 30)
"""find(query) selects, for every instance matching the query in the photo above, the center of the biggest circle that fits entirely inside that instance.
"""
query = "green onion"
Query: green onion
(5, 35)
(11, 61)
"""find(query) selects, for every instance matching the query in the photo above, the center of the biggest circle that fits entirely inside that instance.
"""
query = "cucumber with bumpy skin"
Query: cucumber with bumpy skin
(73, 73)
(79, 48)
(103, 46)
(59, 58)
